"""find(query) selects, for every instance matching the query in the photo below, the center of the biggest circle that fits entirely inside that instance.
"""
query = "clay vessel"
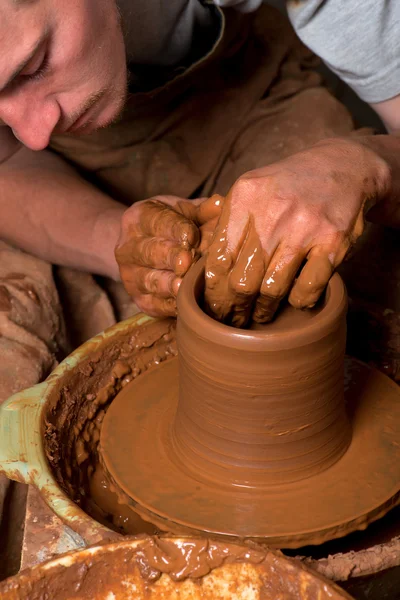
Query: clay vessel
(266, 406)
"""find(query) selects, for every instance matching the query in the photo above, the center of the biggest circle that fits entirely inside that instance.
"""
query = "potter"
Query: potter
(116, 114)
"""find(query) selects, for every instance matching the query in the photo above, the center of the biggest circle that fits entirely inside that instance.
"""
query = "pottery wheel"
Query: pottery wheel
(138, 452)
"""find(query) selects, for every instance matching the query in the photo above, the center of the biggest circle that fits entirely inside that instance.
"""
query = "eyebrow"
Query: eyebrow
(21, 66)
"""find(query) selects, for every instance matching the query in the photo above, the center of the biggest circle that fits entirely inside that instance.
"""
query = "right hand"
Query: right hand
(160, 239)
(285, 227)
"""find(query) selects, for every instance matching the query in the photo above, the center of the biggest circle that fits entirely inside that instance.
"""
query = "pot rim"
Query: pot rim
(192, 316)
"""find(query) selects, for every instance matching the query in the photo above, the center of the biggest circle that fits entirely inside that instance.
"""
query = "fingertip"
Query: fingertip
(187, 234)
(239, 319)
(265, 309)
(176, 284)
(210, 209)
(169, 307)
(182, 261)
(299, 299)
(312, 280)
(262, 317)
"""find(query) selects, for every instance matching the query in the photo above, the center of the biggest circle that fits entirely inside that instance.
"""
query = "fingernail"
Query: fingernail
(265, 314)
(182, 262)
(189, 235)
(176, 284)
(239, 320)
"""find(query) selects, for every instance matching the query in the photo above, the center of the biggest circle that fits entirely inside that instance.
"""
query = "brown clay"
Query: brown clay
(157, 568)
(258, 445)
(72, 421)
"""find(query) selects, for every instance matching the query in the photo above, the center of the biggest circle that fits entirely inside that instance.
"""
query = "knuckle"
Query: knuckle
(126, 220)
(246, 187)
(151, 281)
(256, 181)
(305, 220)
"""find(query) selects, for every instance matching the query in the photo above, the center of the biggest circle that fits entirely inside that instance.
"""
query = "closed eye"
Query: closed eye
(36, 68)
(40, 71)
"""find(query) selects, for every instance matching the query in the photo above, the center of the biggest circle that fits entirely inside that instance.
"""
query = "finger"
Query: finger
(157, 219)
(157, 307)
(246, 278)
(155, 253)
(312, 280)
(207, 232)
(277, 282)
(139, 281)
(209, 209)
(163, 284)
(201, 210)
(221, 256)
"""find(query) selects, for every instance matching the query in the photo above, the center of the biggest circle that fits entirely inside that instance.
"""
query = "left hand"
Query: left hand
(160, 238)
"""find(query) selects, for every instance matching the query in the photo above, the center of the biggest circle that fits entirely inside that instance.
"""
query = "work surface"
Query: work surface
(45, 535)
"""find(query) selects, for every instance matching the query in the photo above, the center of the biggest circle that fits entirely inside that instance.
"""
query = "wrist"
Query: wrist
(106, 233)
(369, 165)
(377, 172)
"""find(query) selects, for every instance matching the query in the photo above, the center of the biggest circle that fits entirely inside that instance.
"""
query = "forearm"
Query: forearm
(47, 209)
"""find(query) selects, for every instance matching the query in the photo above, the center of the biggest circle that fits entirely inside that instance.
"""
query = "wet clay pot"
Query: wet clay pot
(158, 568)
(266, 406)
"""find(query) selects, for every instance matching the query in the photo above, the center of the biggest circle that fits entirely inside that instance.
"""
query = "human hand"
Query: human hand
(286, 227)
(160, 238)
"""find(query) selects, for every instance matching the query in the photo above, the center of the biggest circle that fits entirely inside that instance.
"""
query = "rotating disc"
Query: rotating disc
(136, 446)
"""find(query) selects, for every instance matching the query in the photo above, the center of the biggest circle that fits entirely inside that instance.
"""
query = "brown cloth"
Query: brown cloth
(253, 99)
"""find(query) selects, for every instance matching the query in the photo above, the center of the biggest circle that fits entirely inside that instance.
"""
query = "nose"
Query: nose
(32, 119)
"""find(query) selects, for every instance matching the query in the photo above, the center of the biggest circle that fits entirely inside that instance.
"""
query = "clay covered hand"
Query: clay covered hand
(284, 229)
(160, 238)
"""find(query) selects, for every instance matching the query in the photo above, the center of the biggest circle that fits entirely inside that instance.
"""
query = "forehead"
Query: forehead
(19, 20)
(22, 23)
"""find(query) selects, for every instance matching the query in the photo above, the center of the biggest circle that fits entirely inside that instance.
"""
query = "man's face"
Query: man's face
(62, 67)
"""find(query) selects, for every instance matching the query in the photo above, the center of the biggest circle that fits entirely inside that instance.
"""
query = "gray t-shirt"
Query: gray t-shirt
(358, 39)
